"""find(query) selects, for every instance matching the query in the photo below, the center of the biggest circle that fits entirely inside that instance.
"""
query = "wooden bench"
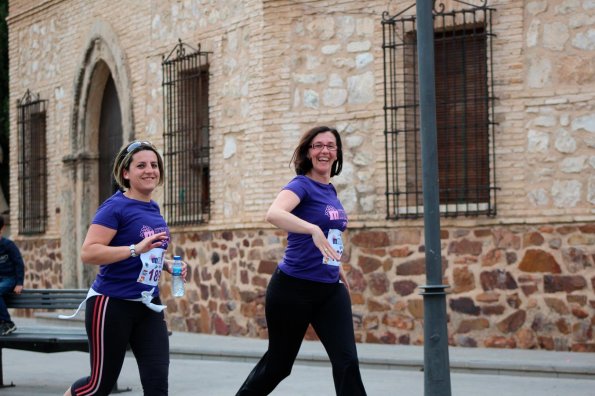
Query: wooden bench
(46, 339)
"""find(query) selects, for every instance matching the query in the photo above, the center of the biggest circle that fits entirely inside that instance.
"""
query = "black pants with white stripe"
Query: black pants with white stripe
(112, 324)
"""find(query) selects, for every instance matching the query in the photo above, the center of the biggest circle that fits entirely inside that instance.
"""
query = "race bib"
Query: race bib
(336, 241)
(152, 266)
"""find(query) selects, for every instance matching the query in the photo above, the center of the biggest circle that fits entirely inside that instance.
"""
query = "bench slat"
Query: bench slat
(45, 305)
(48, 345)
(46, 298)
(49, 330)
(47, 339)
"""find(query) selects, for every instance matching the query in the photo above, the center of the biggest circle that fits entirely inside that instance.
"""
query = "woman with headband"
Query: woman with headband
(128, 239)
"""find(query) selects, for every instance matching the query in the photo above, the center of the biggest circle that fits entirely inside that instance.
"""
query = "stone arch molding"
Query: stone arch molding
(102, 56)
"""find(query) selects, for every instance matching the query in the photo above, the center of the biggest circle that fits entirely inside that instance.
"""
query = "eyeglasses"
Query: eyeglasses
(134, 145)
(320, 146)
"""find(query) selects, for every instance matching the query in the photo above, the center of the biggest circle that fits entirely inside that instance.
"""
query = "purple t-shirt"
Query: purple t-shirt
(318, 205)
(133, 220)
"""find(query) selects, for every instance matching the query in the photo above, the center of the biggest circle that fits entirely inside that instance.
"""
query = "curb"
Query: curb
(551, 366)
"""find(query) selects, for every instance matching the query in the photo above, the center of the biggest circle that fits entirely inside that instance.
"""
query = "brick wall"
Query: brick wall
(278, 68)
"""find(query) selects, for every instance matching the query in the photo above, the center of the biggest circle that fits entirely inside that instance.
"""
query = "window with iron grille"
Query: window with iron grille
(464, 109)
(186, 135)
(32, 164)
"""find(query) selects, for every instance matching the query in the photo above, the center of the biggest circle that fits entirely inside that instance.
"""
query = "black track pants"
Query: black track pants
(111, 325)
(291, 305)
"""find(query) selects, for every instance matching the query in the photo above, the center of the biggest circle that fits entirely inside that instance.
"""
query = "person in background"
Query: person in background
(308, 286)
(128, 239)
(12, 275)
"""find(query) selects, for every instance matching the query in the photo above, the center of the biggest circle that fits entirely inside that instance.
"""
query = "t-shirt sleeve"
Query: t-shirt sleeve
(298, 187)
(107, 215)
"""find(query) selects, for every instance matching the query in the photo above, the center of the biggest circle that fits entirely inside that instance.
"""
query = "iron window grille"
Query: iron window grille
(464, 112)
(186, 135)
(32, 164)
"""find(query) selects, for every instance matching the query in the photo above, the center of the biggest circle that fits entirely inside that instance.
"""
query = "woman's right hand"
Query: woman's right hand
(150, 242)
(324, 245)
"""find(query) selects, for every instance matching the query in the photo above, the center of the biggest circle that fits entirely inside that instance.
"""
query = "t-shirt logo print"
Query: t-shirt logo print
(146, 231)
(336, 214)
(332, 213)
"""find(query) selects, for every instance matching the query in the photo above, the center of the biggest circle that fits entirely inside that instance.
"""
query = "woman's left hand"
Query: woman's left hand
(169, 268)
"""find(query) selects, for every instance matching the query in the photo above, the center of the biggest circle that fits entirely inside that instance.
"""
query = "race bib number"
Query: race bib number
(336, 241)
(152, 267)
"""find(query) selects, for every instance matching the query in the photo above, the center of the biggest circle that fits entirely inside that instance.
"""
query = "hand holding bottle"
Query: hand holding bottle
(178, 272)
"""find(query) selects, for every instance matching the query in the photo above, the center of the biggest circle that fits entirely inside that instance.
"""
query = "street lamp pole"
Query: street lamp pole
(436, 364)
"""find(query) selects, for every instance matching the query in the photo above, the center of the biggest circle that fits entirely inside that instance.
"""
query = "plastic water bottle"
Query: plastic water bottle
(177, 280)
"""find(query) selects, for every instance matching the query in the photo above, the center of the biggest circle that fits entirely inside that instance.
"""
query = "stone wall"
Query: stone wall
(43, 263)
(522, 279)
(510, 287)
(518, 287)
(559, 105)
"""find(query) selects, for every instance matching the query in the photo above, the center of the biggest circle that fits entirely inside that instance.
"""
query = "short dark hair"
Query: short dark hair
(1, 221)
(300, 160)
(124, 158)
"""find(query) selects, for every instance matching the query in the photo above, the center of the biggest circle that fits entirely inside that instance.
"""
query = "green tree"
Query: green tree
(4, 99)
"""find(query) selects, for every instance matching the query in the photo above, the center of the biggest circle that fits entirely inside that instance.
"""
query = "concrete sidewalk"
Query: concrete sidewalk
(398, 357)
(216, 365)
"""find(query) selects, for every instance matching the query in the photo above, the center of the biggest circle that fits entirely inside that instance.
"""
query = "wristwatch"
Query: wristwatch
(133, 251)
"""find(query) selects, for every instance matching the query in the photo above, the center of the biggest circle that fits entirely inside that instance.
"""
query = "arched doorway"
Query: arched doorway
(102, 121)
(110, 138)
(104, 139)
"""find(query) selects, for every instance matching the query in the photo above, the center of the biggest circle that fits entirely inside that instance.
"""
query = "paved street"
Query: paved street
(37, 374)
(210, 365)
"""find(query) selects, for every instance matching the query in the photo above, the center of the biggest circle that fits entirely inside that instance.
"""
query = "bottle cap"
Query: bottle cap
(177, 258)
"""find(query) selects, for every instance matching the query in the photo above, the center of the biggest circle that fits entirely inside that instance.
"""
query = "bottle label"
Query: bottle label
(152, 267)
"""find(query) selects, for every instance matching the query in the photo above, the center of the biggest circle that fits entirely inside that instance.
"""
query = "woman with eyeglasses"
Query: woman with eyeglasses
(308, 286)
(127, 240)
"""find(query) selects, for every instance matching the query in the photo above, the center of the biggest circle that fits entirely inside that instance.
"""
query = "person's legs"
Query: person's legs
(6, 286)
(150, 344)
(333, 323)
(108, 322)
(288, 311)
